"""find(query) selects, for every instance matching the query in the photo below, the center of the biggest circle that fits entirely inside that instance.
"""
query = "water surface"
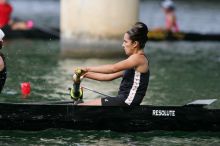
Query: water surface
(180, 72)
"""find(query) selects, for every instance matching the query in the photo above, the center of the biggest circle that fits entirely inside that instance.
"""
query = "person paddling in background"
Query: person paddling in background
(5, 18)
(3, 72)
(170, 17)
(134, 71)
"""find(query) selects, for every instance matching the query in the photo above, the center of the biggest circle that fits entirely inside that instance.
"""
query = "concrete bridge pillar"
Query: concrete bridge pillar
(95, 28)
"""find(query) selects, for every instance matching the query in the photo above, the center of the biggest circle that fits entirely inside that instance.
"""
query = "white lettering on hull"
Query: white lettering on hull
(163, 113)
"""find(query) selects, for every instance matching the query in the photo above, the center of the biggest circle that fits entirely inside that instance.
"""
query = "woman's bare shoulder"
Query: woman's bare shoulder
(139, 57)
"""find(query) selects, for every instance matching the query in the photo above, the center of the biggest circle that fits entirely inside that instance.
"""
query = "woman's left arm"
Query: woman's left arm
(130, 62)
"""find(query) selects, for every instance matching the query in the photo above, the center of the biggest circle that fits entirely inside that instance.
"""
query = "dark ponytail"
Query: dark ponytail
(139, 33)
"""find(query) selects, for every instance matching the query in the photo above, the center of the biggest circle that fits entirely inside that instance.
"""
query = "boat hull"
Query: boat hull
(181, 36)
(141, 118)
(35, 33)
(50, 33)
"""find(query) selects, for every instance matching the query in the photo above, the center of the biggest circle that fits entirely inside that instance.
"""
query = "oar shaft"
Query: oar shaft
(96, 91)
(51, 102)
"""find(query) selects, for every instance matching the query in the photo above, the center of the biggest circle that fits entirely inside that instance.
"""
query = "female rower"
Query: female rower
(5, 18)
(134, 71)
(170, 17)
(3, 73)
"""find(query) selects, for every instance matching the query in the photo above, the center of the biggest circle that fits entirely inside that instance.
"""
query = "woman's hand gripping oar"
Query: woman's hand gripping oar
(76, 93)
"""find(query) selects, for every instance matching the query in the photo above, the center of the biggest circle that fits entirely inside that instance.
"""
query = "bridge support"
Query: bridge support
(95, 28)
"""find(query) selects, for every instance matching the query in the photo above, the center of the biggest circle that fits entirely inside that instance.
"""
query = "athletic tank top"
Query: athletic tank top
(3, 74)
(175, 27)
(133, 86)
(5, 14)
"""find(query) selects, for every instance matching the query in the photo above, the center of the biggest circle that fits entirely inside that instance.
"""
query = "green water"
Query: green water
(107, 138)
(180, 73)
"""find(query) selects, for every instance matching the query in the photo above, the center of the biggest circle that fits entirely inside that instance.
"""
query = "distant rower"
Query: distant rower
(170, 17)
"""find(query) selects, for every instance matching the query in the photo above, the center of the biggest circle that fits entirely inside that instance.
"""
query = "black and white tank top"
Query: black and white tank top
(133, 86)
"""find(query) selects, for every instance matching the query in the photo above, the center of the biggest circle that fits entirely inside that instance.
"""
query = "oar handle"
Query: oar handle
(77, 93)
(76, 87)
